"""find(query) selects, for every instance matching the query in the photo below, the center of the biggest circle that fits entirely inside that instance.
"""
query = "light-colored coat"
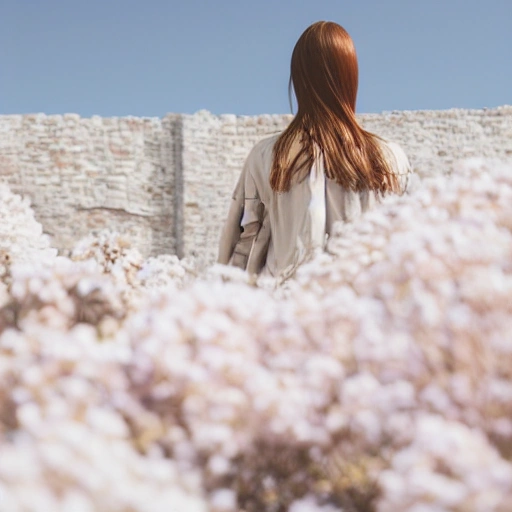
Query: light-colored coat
(272, 233)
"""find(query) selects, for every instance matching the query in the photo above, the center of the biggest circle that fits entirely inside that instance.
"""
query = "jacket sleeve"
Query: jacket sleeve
(243, 221)
(250, 223)
(232, 227)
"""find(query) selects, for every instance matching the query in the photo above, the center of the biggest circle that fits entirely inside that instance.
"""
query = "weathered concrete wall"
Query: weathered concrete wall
(167, 182)
(88, 174)
(215, 149)
(435, 139)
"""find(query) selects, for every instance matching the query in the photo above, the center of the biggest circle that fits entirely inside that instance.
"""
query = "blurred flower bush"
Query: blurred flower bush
(377, 379)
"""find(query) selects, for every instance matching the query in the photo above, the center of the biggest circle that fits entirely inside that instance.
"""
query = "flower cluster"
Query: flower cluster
(21, 236)
(377, 379)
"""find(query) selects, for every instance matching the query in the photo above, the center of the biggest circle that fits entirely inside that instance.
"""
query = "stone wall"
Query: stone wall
(167, 182)
(215, 149)
(84, 175)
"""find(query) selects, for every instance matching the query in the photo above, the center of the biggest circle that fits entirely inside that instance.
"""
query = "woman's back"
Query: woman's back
(299, 220)
(323, 168)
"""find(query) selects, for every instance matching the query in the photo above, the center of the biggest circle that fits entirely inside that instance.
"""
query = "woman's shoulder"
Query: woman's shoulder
(265, 146)
(398, 161)
(396, 155)
(260, 157)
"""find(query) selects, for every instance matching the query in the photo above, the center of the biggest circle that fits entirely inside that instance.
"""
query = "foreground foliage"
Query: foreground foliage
(378, 378)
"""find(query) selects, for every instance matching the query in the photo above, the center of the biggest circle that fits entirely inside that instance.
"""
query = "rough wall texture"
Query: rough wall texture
(214, 150)
(87, 174)
(167, 182)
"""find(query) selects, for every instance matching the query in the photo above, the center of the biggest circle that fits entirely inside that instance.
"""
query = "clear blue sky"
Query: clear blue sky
(150, 57)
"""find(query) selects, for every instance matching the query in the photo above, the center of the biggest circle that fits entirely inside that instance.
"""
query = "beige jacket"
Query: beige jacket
(272, 233)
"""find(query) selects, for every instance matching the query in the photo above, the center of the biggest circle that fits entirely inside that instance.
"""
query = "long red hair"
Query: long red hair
(324, 75)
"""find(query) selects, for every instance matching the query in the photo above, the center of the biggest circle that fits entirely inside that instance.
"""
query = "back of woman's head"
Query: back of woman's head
(324, 75)
(324, 70)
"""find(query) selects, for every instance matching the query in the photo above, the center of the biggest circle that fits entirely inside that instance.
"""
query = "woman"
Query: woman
(322, 169)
